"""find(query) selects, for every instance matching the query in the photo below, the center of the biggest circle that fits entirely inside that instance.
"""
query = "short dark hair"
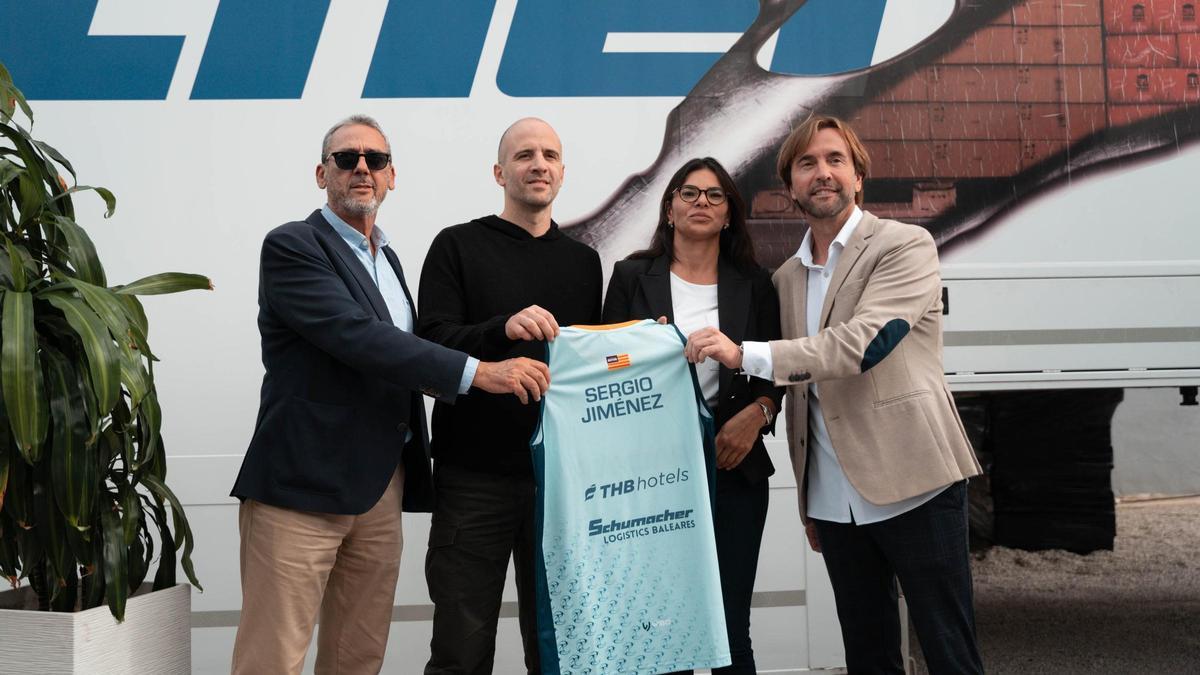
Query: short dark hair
(800, 138)
(735, 242)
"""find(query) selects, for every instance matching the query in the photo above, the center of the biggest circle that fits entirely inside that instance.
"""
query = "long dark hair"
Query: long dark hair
(735, 243)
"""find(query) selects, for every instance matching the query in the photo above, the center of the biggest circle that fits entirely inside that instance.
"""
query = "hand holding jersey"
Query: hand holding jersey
(710, 342)
(531, 323)
(521, 377)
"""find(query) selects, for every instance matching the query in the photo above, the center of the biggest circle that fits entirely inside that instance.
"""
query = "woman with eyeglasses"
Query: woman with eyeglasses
(700, 271)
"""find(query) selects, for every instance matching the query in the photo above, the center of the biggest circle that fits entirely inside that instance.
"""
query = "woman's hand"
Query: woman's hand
(737, 436)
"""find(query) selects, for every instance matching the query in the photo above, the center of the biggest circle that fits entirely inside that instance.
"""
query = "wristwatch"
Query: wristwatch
(766, 413)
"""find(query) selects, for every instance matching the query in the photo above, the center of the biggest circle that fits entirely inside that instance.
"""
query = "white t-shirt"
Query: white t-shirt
(695, 307)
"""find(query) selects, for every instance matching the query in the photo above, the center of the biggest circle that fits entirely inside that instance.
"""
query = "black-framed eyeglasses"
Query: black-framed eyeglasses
(690, 193)
(346, 160)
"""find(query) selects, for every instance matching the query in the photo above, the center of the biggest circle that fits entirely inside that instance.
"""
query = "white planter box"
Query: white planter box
(154, 639)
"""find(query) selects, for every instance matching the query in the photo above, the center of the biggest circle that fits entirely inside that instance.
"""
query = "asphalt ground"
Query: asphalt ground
(1135, 609)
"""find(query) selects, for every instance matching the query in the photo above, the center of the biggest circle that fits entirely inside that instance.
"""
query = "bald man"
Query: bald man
(340, 446)
(498, 285)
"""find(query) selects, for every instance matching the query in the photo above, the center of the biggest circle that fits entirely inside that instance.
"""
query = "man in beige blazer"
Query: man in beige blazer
(879, 452)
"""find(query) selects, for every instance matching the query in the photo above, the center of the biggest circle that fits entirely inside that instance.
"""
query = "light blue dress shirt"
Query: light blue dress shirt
(385, 278)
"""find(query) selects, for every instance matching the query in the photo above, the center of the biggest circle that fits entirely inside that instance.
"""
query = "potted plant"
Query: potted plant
(84, 507)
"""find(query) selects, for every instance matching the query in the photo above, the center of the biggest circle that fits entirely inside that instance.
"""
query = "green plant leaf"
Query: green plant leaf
(30, 551)
(145, 544)
(93, 579)
(106, 305)
(12, 95)
(74, 474)
(81, 252)
(125, 447)
(33, 273)
(110, 200)
(8, 103)
(183, 531)
(135, 313)
(165, 576)
(4, 460)
(8, 171)
(139, 566)
(149, 426)
(104, 361)
(10, 561)
(116, 563)
(134, 375)
(139, 327)
(80, 542)
(21, 379)
(16, 267)
(167, 282)
(6, 272)
(66, 592)
(23, 149)
(5, 453)
(30, 198)
(56, 156)
(131, 512)
(49, 528)
(18, 500)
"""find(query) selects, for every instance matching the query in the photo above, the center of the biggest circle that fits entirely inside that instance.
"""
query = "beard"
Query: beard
(358, 207)
(535, 200)
(827, 209)
(351, 204)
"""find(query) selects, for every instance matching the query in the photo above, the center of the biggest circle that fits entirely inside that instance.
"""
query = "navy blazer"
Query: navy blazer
(747, 309)
(343, 384)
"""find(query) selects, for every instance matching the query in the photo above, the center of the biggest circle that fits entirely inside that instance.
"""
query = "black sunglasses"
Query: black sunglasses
(346, 160)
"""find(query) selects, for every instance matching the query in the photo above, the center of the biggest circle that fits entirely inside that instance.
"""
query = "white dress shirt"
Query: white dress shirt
(831, 497)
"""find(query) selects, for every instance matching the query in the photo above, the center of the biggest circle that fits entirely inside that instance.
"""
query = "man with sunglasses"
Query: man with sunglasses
(496, 287)
(340, 445)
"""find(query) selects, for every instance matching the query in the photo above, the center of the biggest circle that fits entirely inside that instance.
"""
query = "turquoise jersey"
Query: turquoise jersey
(627, 576)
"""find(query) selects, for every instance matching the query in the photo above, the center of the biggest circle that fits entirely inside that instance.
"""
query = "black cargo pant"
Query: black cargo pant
(480, 520)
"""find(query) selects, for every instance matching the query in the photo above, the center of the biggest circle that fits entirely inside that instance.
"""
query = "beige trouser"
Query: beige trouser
(294, 562)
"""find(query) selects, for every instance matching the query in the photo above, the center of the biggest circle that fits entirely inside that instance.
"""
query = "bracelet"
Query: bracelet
(766, 413)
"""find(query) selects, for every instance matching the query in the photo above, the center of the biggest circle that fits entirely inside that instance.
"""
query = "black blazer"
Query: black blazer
(342, 386)
(747, 309)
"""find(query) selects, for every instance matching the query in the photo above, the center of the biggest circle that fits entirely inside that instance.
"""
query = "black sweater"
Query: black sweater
(476, 275)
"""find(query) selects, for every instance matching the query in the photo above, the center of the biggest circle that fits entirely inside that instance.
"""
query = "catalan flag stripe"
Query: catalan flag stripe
(617, 361)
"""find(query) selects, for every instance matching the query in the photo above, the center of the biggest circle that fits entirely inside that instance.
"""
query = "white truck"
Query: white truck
(1049, 145)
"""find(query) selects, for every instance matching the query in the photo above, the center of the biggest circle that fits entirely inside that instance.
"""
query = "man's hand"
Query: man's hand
(521, 377)
(737, 436)
(710, 342)
(810, 531)
(531, 323)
